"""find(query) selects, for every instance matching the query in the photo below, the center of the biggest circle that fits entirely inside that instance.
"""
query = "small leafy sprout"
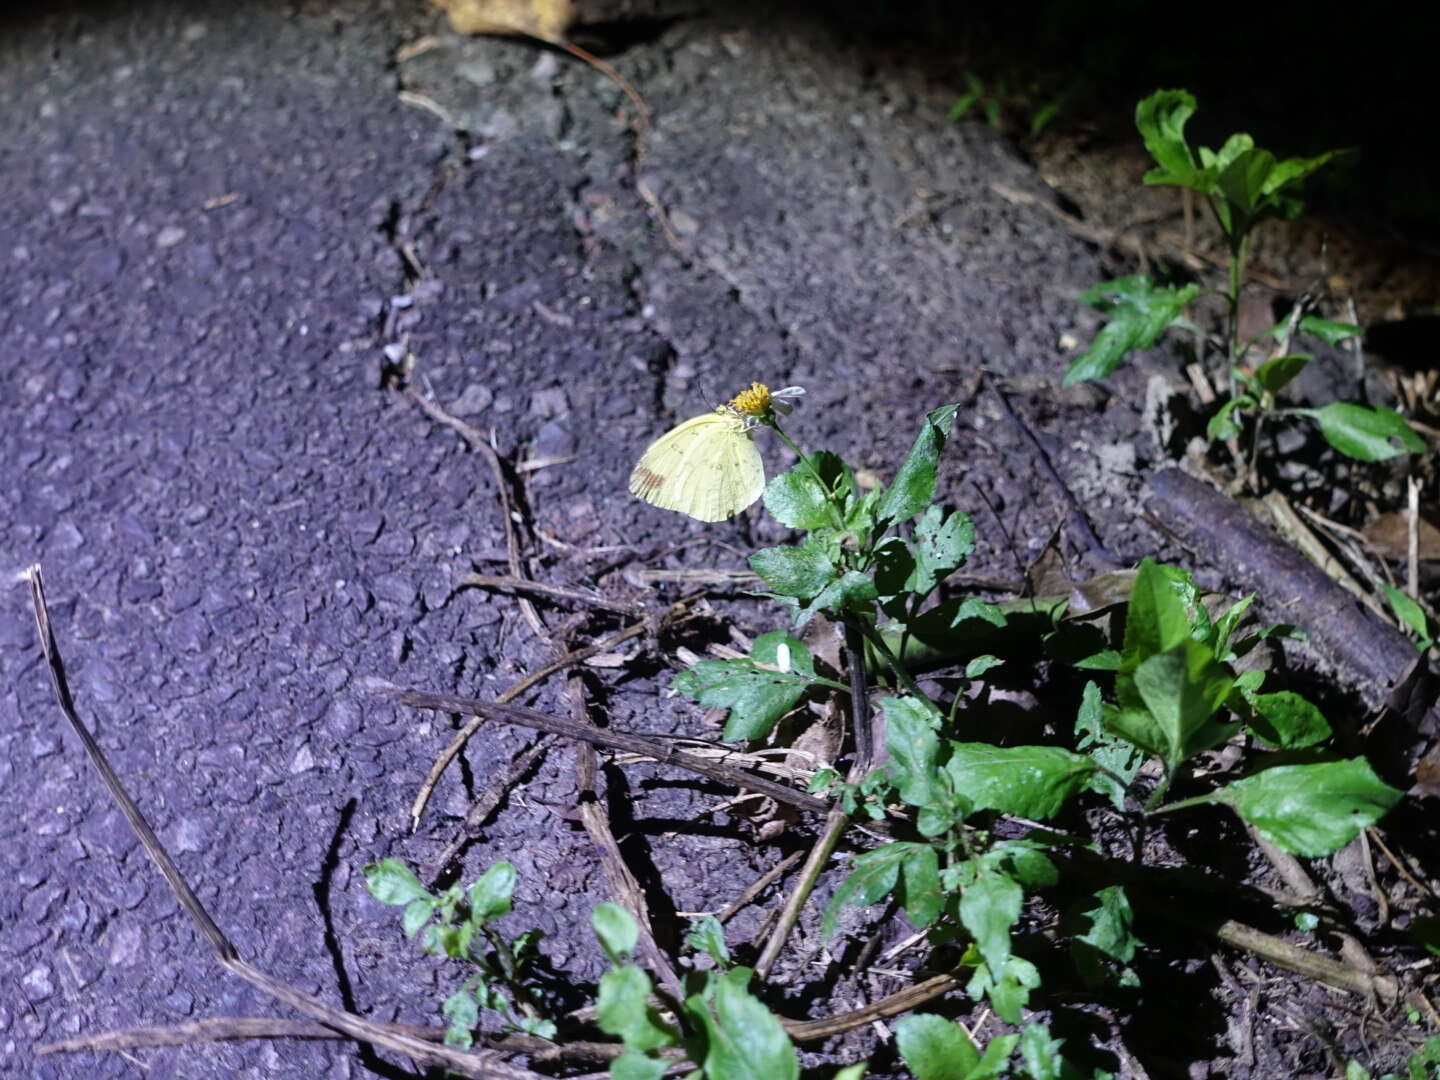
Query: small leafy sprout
(457, 925)
(1243, 185)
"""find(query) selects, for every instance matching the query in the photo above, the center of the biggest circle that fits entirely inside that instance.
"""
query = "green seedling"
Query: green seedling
(1243, 186)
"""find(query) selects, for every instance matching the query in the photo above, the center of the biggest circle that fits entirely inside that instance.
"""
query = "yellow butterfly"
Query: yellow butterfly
(709, 467)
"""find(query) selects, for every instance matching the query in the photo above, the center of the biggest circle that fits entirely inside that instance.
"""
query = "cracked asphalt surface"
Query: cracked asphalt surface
(216, 218)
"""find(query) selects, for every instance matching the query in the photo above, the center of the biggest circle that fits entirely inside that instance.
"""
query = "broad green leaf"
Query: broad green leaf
(1163, 602)
(1161, 119)
(616, 929)
(758, 689)
(1275, 373)
(490, 894)
(793, 571)
(464, 1014)
(911, 736)
(934, 1048)
(919, 889)
(623, 1009)
(1367, 434)
(914, 486)
(392, 882)
(1287, 720)
(744, 1040)
(708, 936)
(942, 544)
(989, 906)
(633, 1065)
(1311, 809)
(1332, 333)
(797, 499)
(875, 875)
(1182, 688)
(1031, 781)
(1139, 311)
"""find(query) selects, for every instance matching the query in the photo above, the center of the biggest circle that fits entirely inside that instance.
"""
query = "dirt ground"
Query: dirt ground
(227, 227)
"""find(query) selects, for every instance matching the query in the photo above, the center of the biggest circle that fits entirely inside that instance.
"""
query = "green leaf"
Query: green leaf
(1031, 781)
(392, 882)
(464, 1015)
(616, 929)
(934, 1048)
(875, 876)
(755, 689)
(1140, 312)
(744, 1040)
(1161, 119)
(490, 894)
(1311, 809)
(1223, 424)
(797, 499)
(1287, 720)
(417, 914)
(1101, 929)
(633, 1065)
(1410, 613)
(1275, 373)
(1367, 434)
(1182, 689)
(914, 486)
(1332, 333)
(989, 906)
(920, 890)
(708, 936)
(942, 544)
(911, 737)
(793, 571)
(1160, 615)
(623, 1009)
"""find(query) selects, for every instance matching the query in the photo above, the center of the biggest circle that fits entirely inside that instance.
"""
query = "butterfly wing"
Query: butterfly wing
(708, 467)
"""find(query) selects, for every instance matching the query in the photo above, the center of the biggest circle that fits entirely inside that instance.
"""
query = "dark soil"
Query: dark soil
(227, 226)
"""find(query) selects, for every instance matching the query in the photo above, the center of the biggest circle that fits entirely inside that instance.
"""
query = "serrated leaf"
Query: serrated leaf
(1366, 434)
(1140, 312)
(1311, 810)
(934, 1048)
(793, 571)
(1274, 374)
(874, 876)
(490, 894)
(914, 485)
(912, 738)
(744, 1040)
(1031, 781)
(798, 499)
(392, 882)
(753, 688)
(989, 906)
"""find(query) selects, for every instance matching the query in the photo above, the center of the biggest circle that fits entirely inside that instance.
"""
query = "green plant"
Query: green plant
(1002, 101)
(874, 563)
(1243, 186)
(457, 925)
